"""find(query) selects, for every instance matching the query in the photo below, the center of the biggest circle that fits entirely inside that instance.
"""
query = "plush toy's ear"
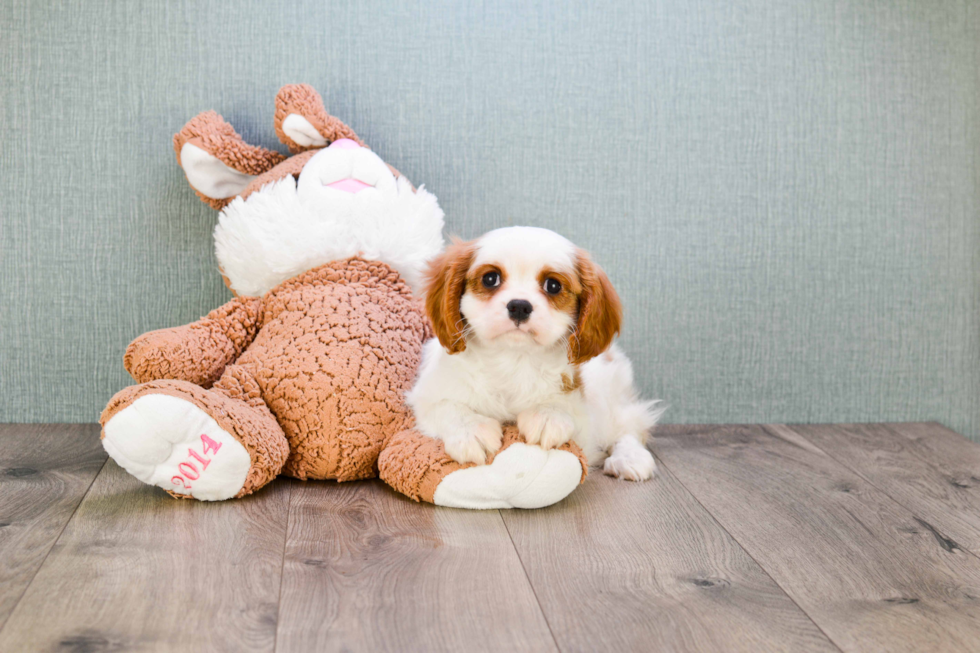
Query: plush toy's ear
(303, 124)
(445, 281)
(217, 162)
(600, 312)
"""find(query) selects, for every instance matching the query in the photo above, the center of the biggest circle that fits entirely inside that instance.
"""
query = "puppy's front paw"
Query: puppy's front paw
(546, 427)
(474, 446)
(630, 461)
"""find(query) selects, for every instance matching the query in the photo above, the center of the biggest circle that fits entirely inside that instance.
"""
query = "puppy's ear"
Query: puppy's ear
(445, 281)
(600, 313)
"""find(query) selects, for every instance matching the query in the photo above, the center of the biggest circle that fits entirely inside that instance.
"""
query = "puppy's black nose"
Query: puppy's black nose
(519, 310)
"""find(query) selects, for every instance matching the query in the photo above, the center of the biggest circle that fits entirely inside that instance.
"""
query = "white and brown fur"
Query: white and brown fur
(552, 369)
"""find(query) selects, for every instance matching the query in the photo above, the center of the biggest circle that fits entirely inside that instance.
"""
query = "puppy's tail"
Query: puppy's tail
(637, 417)
(629, 458)
(617, 410)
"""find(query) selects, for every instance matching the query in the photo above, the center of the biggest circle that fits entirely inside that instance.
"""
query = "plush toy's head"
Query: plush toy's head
(333, 199)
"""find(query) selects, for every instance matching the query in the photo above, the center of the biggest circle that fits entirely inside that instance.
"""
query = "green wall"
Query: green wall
(785, 194)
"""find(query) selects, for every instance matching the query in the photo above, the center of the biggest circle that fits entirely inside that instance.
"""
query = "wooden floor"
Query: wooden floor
(752, 538)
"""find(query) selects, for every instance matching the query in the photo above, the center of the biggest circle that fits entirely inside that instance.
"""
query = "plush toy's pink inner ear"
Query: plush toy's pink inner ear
(209, 176)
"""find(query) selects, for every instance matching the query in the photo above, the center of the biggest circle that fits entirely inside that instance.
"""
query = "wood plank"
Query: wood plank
(367, 569)
(957, 457)
(137, 569)
(871, 574)
(45, 470)
(643, 566)
(903, 462)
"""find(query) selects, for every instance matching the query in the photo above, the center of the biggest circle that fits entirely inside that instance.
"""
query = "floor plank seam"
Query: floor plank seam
(749, 554)
(54, 543)
(530, 584)
(870, 482)
(282, 565)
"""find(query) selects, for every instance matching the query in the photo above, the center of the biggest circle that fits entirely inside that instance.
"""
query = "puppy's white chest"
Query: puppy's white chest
(517, 382)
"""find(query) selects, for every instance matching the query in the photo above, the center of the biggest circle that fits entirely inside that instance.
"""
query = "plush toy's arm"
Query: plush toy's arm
(197, 352)
(517, 476)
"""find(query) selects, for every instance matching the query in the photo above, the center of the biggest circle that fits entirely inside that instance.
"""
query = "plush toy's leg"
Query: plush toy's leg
(518, 476)
(206, 444)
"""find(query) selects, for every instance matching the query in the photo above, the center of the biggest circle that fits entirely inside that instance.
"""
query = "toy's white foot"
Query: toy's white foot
(630, 461)
(171, 443)
(520, 476)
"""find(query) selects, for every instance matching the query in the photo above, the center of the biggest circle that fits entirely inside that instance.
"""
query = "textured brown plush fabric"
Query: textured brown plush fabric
(196, 352)
(338, 347)
(250, 423)
(303, 100)
(321, 363)
(414, 464)
(211, 133)
(291, 166)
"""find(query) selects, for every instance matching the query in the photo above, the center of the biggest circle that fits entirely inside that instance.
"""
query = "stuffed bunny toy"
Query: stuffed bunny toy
(304, 371)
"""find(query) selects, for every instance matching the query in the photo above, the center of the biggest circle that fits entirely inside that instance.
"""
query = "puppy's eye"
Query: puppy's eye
(552, 286)
(491, 280)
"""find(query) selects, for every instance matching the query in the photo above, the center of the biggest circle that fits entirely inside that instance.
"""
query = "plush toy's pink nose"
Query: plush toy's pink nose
(344, 144)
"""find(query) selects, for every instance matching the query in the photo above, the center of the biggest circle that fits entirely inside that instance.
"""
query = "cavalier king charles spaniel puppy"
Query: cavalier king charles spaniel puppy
(525, 323)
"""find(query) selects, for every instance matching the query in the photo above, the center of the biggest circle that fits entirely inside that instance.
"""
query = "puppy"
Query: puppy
(524, 323)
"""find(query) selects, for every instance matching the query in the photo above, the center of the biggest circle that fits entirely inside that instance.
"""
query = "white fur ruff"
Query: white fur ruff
(278, 232)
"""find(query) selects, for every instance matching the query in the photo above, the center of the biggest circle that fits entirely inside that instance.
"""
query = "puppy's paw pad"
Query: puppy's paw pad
(634, 464)
(546, 427)
(466, 449)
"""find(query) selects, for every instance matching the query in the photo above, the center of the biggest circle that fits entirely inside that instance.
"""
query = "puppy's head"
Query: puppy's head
(522, 287)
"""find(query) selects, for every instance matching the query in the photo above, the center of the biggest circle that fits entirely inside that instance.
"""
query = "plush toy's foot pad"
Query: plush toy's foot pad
(173, 444)
(518, 476)
(166, 436)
